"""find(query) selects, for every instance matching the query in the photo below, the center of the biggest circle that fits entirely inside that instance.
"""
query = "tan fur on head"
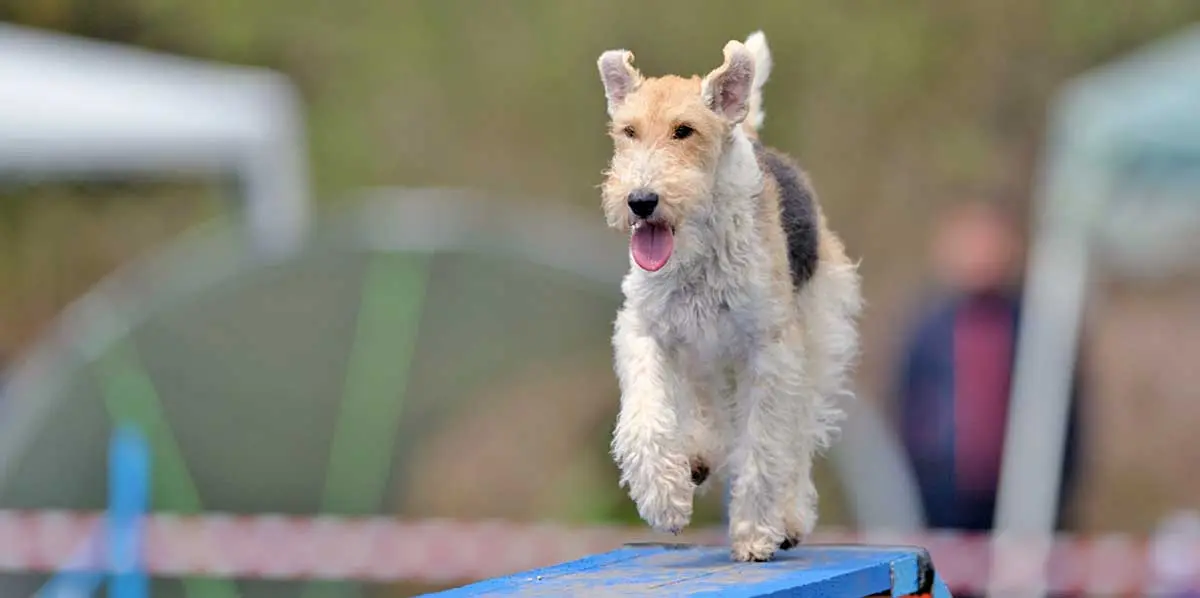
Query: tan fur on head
(669, 132)
(650, 152)
(646, 112)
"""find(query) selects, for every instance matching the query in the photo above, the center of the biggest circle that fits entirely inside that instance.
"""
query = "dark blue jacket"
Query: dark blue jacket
(925, 413)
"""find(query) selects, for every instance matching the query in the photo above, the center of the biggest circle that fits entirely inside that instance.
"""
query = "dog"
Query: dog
(739, 321)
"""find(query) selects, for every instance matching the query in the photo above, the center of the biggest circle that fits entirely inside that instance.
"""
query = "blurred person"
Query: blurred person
(956, 369)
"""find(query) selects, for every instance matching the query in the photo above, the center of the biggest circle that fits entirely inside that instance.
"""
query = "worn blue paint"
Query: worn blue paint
(906, 575)
(680, 570)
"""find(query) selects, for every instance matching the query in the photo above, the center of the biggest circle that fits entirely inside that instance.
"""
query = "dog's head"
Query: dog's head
(668, 134)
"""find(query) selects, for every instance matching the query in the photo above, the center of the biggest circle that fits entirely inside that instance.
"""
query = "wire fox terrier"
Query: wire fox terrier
(739, 321)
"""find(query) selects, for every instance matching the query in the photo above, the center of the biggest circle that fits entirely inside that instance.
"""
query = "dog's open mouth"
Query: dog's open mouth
(651, 244)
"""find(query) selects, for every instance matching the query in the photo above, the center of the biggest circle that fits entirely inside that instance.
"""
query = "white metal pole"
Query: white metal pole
(1074, 185)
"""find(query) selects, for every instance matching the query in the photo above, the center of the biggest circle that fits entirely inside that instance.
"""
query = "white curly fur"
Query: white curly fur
(756, 43)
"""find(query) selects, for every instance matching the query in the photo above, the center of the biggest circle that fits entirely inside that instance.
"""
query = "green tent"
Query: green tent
(299, 384)
(327, 379)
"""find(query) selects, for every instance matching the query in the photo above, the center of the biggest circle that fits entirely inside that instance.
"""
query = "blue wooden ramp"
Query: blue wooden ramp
(826, 571)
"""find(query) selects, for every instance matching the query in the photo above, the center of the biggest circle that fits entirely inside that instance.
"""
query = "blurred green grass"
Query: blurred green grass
(892, 106)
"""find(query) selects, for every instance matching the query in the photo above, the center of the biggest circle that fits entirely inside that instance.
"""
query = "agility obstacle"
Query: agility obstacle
(850, 571)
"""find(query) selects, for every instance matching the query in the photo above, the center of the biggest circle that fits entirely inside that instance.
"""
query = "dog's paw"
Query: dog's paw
(663, 493)
(753, 549)
(667, 509)
(671, 519)
(754, 543)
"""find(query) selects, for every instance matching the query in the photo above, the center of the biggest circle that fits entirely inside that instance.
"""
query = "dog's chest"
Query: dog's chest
(707, 318)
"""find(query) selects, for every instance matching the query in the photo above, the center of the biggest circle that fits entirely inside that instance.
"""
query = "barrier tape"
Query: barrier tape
(380, 550)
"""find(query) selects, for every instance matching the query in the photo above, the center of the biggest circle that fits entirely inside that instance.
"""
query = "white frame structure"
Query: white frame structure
(1118, 188)
(71, 108)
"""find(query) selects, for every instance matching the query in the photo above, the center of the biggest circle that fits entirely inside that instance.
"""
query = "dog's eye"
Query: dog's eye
(630, 132)
(682, 132)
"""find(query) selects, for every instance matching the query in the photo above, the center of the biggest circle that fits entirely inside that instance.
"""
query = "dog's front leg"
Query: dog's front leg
(769, 401)
(648, 442)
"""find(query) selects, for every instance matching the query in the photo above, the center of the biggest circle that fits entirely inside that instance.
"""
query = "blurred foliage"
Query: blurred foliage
(892, 106)
(58, 239)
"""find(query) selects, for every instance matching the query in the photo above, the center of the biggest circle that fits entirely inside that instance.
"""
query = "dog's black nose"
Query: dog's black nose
(642, 202)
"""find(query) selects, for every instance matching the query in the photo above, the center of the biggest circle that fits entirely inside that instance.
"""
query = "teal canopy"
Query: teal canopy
(1119, 195)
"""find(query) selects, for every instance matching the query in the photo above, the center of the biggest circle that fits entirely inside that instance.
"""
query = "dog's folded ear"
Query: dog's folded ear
(619, 77)
(726, 90)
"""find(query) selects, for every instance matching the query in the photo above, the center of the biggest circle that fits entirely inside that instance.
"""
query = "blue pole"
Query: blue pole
(128, 492)
(128, 495)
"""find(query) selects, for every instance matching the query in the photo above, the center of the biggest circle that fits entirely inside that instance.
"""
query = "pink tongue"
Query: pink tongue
(651, 245)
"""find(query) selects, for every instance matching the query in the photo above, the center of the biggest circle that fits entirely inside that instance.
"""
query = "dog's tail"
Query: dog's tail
(757, 44)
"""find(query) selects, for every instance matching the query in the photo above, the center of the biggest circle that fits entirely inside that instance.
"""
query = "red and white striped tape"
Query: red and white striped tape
(378, 549)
